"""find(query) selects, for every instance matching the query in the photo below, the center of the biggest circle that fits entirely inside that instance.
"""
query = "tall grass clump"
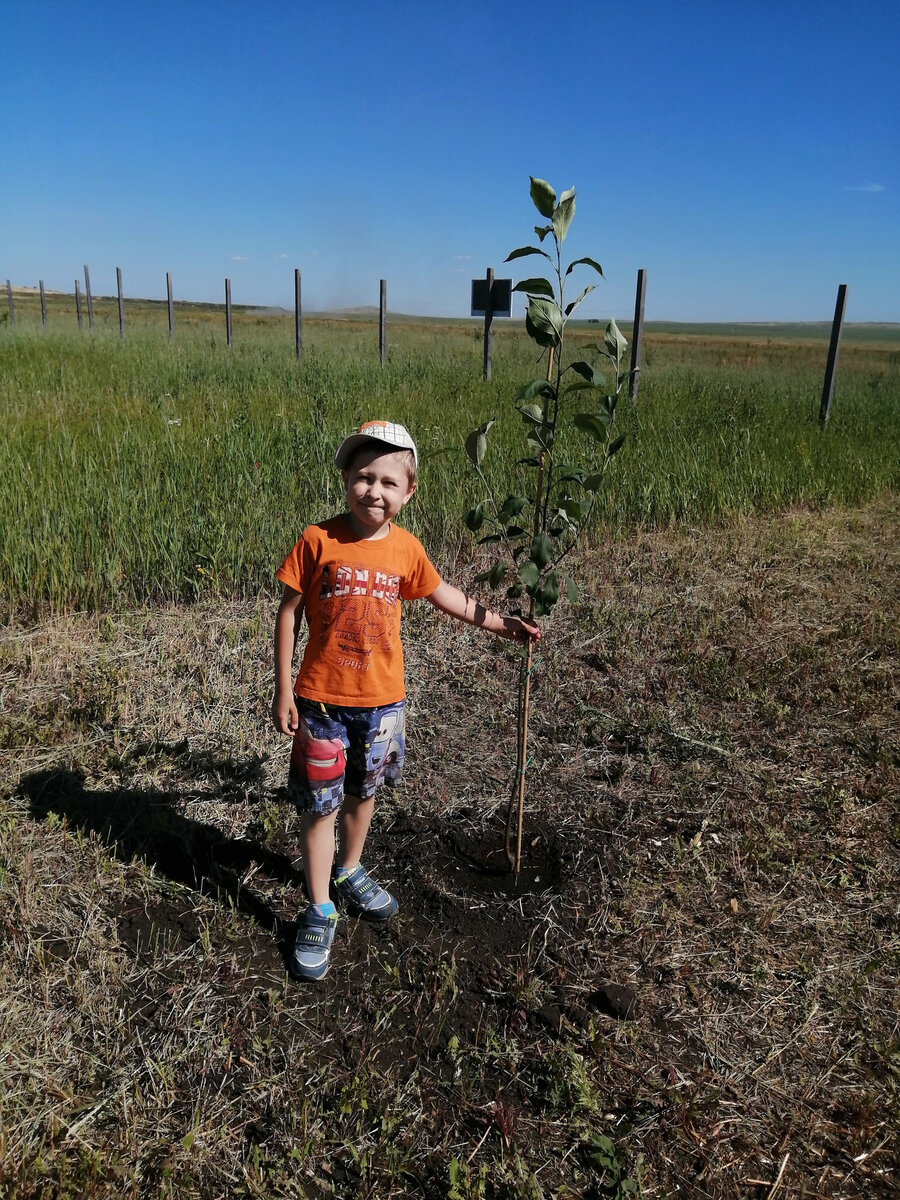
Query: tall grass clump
(150, 469)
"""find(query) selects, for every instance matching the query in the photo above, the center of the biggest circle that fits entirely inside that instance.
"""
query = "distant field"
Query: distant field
(61, 311)
(157, 469)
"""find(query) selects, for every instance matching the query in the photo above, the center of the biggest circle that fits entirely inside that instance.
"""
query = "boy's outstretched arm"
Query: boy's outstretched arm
(451, 600)
(287, 625)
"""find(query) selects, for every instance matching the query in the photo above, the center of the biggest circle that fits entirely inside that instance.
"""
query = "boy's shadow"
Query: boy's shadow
(139, 823)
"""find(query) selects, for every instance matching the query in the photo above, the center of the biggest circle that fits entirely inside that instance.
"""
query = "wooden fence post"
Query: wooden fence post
(121, 302)
(89, 298)
(169, 304)
(9, 300)
(637, 334)
(488, 321)
(382, 322)
(298, 316)
(833, 347)
(43, 305)
(228, 312)
(78, 302)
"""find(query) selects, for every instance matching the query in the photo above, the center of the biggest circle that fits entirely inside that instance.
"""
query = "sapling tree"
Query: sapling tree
(534, 530)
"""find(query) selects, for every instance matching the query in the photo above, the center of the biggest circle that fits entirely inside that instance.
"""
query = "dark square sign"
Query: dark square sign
(501, 297)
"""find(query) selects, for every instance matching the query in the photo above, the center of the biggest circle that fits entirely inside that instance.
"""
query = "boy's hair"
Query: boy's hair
(406, 456)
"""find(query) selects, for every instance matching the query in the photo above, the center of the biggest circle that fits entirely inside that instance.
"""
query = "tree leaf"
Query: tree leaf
(563, 214)
(532, 414)
(514, 592)
(529, 573)
(545, 316)
(540, 440)
(543, 196)
(570, 308)
(497, 574)
(593, 482)
(616, 446)
(592, 424)
(474, 518)
(536, 287)
(566, 473)
(571, 590)
(588, 262)
(582, 385)
(616, 344)
(543, 230)
(535, 387)
(512, 506)
(550, 590)
(524, 251)
(538, 334)
(575, 510)
(476, 447)
(541, 550)
(585, 370)
(489, 538)
(476, 443)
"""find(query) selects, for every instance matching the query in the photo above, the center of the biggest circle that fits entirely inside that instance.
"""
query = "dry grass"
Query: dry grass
(712, 828)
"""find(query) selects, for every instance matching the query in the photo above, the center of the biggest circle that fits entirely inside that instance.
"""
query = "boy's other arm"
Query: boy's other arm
(454, 603)
(287, 626)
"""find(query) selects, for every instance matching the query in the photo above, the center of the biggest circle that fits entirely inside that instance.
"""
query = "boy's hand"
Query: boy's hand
(284, 713)
(518, 630)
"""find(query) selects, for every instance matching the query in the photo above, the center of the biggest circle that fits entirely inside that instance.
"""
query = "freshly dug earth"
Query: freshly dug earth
(691, 988)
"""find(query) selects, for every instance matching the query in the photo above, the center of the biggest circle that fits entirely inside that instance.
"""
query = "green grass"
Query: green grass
(158, 469)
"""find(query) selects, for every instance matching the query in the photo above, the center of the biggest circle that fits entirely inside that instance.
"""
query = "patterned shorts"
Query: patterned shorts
(344, 750)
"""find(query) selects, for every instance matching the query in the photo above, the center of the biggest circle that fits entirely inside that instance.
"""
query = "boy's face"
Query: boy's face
(377, 486)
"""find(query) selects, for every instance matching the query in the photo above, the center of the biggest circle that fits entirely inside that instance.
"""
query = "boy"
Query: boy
(346, 710)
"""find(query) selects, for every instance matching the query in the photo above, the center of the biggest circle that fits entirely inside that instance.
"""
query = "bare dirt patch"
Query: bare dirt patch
(691, 987)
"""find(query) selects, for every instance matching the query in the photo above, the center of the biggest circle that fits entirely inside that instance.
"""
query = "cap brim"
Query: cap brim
(349, 444)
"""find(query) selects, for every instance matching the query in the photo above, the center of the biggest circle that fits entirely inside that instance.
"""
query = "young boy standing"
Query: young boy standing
(345, 711)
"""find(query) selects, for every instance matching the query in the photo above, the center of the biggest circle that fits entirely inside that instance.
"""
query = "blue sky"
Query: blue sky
(746, 154)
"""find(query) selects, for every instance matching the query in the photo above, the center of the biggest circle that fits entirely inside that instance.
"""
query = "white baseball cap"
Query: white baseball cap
(393, 435)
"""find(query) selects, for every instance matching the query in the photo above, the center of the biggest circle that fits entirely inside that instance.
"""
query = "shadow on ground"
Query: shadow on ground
(146, 824)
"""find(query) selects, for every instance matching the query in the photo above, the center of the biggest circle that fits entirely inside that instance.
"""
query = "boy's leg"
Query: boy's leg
(352, 882)
(353, 829)
(316, 926)
(317, 847)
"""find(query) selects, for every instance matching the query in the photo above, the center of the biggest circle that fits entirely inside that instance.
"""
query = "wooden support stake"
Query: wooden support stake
(169, 304)
(488, 320)
(9, 300)
(228, 312)
(78, 303)
(43, 305)
(834, 346)
(637, 334)
(298, 316)
(89, 298)
(382, 322)
(517, 799)
(121, 302)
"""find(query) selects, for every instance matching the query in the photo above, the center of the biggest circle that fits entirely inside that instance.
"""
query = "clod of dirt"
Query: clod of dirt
(615, 1000)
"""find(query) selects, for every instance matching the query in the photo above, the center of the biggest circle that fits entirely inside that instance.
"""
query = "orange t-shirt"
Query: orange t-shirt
(352, 589)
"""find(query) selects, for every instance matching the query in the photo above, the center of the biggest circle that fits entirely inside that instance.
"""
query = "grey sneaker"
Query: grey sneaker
(361, 894)
(312, 946)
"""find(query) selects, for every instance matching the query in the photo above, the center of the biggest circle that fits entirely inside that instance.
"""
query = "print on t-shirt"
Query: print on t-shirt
(353, 611)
